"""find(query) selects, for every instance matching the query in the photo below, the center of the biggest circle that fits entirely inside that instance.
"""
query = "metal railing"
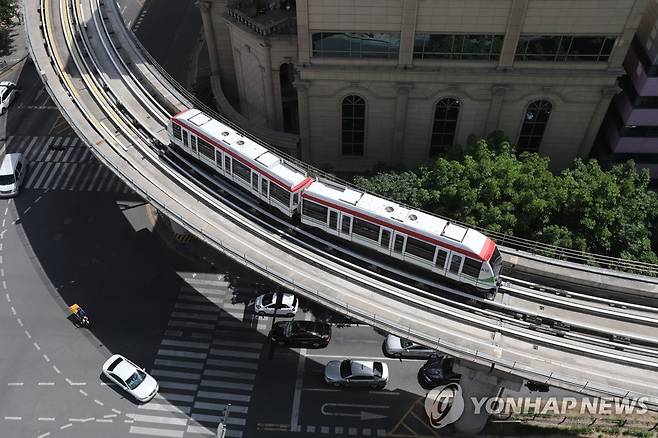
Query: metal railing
(504, 240)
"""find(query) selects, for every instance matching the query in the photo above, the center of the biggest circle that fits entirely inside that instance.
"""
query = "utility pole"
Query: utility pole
(221, 427)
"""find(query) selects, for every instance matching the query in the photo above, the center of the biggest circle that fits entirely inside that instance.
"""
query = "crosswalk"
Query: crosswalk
(63, 163)
(200, 367)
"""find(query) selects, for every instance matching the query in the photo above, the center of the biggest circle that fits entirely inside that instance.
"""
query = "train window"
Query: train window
(365, 229)
(455, 263)
(472, 267)
(241, 170)
(263, 186)
(227, 163)
(206, 149)
(420, 249)
(345, 225)
(177, 131)
(333, 220)
(399, 243)
(441, 257)
(386, 238)
(185, 139)
(280, 194)
(254, 181)
(315, 211)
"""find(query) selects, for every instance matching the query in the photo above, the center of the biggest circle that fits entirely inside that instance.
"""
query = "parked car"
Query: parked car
(301, 333)
(400, 347)
(349, 372)
(285, 304)
(12, 174)
(8, 91)
(131, 378)
(437, 371)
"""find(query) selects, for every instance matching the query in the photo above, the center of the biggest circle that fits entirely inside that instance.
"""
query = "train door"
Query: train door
(254, 182)
(193, 145)
(186, 139)
(346, 227)
(264, 189)
(398, 246)
(333, 221)
(227, 166)
(440, 262)
(454, 267)
(385, 241)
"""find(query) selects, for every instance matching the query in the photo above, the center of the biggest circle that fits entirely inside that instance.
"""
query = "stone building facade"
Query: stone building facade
(393, 82)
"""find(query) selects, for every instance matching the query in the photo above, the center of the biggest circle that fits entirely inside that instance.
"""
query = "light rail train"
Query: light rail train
(449, 250)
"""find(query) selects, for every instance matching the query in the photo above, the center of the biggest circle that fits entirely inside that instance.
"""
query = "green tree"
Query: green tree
(485, 183)
(8, 10)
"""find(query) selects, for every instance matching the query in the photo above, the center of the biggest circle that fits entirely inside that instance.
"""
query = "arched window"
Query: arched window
(354, 125)
(445, 125)
(534, 125)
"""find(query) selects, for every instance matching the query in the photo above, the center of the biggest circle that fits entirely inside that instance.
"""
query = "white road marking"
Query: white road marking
(165, 408)
(109, 416)
(46, 419)
(83, 393)
(43, 435)
(66, 426)
(13, 310)
(158, 419)
(99, 403)
(101, 420)
(29, 336)
(81, 420)
(2, 270)
(297, 397)
(46, 384)
(116, 411)
(156, 432)
(46, 358)
(15, 384)
(56, 369)
(75, 383)
(7, 295)
(20, 321)
(14, 418)
(36, 346)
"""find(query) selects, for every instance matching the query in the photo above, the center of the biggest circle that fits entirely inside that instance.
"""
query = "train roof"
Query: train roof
(251, 153)
(416, 223)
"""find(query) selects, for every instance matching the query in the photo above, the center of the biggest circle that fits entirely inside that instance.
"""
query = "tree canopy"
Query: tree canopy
(485, 183)
(8, 10)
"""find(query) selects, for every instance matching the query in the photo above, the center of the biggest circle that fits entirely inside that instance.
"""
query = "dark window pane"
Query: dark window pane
(420, 249)
(279, 193)
(445, 125)
(534, 125)
(315, 211)
(353, 125)
(241, 170)
(365, 229)
(563, 48)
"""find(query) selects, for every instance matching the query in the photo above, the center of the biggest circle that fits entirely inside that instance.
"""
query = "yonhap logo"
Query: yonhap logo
(444, 405)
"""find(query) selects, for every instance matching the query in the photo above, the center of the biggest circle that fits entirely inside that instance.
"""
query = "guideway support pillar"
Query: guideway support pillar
(480, 383)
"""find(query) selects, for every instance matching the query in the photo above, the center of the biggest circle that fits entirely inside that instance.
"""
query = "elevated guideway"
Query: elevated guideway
(102, 85)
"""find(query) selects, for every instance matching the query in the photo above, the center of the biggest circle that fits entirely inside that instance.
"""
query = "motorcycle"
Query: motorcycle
(80, 315)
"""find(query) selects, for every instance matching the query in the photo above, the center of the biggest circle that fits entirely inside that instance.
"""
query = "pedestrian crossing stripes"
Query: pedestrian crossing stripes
(200, 367)
(63, 163)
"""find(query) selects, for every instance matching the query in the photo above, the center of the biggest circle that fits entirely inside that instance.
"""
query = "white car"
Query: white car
(130, 377)
(8, 91)
(285, 305)
(399, 347)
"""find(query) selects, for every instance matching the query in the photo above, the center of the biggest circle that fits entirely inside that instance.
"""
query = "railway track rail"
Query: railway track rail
(486, 333)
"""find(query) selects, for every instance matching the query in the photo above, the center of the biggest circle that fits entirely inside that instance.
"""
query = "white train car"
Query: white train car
(240, 159)
(459, 253)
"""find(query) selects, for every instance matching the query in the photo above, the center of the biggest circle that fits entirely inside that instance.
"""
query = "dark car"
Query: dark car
(437, 371)
(301, 333)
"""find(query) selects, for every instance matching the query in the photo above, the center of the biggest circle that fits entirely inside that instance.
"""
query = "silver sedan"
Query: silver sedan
(349, 372)
(400, 347)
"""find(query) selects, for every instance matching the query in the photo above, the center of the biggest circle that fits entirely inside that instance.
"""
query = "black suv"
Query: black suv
(301, 333)
(437, 371)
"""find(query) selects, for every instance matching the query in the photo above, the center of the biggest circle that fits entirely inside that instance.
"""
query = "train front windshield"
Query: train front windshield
(496, 263)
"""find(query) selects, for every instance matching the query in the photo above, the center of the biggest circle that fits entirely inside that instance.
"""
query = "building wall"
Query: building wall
(579, 91)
